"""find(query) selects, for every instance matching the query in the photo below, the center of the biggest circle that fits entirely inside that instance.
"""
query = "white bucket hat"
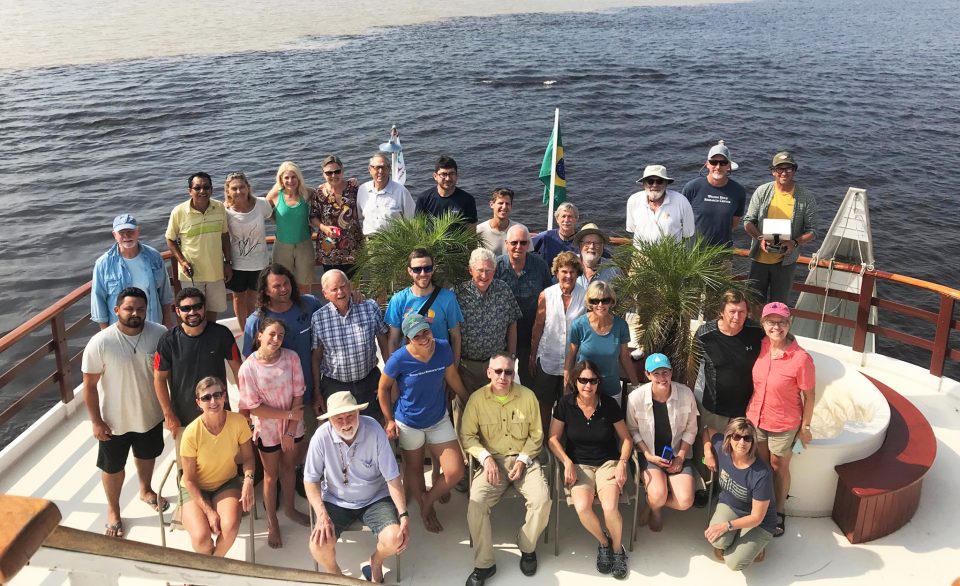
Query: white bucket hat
(340, 403)
(655, 171)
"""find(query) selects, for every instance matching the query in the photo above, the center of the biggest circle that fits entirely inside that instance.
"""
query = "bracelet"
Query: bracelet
(248, 477)
(290, 435)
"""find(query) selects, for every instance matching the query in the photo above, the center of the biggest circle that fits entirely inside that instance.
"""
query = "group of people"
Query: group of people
(540, 309)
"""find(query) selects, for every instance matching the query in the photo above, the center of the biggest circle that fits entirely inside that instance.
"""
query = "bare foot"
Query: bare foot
(656, 522)
(298, 517)
(274, 539)
(644, 516)
(430, 521)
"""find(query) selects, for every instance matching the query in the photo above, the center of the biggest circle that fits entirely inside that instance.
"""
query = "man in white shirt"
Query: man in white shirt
(381, 199)
(494, 230)
(657, 211)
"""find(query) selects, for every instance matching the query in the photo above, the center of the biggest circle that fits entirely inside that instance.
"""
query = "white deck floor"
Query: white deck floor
(925, 552)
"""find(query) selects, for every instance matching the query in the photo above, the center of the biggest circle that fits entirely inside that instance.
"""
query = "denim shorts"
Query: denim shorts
(378, 515)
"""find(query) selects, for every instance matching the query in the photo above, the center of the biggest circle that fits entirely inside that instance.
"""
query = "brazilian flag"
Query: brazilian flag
(547, 170)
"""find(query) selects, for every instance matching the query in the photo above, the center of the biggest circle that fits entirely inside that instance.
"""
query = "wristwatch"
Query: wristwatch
(729, 525)
(404, 514)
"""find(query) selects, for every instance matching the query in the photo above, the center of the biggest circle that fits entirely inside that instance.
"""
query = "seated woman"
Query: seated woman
(662, 418)
(211, 493)
(419, 370)
(271, 388)
(784, 390)
(744, 521)
(594, 460)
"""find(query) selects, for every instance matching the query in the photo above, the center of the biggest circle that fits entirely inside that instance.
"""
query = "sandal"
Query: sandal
(781, 525)
(114, 530)
(157, 503)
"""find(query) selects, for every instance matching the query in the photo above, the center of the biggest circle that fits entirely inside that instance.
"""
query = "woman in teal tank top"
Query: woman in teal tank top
(290, 198)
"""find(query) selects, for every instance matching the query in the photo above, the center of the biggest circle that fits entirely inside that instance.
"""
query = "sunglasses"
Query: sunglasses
(332, 173)
(502, 371)
(379, 167)
(204, 187)
(518, 242)
(654, 181)
(741, 438)
(211, 396)
(418, 270)
(602, 301)
(718, 163)
(189, 308)
(588, 380)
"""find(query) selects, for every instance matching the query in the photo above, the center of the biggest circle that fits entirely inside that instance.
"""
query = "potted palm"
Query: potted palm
(667, 284)
(382, 260)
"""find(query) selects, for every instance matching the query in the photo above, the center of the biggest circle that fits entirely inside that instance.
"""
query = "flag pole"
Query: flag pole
(553, 168)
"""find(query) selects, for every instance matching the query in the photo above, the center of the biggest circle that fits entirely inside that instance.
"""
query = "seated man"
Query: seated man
(501, 428)
(341, 487)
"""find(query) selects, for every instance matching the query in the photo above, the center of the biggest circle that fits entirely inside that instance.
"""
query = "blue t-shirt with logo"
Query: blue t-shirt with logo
(423, 397)
(715, 207)
(443, 315)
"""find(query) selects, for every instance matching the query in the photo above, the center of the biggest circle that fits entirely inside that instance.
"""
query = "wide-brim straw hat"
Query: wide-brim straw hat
(340, 403)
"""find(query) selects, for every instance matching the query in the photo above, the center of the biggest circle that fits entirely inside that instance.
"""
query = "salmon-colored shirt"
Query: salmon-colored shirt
(274, 385)
(776, 403)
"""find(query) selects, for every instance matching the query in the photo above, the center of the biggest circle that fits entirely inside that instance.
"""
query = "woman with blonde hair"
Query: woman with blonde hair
(333, 212)
(602, 337)
(211, 493)
(744, 521)
(246, 217)
(290, 198)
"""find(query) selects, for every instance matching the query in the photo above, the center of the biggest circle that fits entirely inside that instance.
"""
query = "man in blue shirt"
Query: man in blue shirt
(550, 243)
(718, 201)
(130, 263)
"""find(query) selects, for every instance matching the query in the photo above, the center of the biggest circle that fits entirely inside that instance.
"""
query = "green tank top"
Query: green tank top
(292, 222)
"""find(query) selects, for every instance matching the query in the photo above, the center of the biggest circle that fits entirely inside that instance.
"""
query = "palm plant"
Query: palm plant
(669, 283)
(383, 259)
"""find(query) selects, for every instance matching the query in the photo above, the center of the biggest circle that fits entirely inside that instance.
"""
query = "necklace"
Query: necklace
(267, 359)
(132, 345)
(343, 462)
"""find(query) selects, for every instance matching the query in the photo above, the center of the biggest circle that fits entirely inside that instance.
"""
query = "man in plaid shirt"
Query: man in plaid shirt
(345, 336)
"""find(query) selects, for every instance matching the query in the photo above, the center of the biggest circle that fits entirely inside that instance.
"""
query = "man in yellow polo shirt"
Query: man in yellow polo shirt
(501, 428)
(197, 237)
(771, 272)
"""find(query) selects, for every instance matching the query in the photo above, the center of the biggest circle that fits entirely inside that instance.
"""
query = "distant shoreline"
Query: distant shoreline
(82, 32)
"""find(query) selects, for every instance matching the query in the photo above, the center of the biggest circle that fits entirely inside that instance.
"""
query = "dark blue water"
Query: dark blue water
(864, 92)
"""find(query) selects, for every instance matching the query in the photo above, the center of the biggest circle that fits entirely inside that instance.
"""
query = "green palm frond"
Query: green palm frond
(668, 284)
(383, 258)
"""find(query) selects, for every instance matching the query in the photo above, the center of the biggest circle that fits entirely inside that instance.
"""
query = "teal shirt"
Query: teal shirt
(602, 350)
(292, 222)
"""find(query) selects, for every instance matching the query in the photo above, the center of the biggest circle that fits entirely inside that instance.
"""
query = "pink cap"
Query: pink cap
(775, 308)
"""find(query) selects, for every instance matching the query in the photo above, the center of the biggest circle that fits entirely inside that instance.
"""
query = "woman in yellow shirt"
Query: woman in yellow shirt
(211, 493)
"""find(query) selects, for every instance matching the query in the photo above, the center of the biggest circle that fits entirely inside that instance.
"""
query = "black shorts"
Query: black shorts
(363, 390)
(243, 281)
(276, 448)
(147, 445)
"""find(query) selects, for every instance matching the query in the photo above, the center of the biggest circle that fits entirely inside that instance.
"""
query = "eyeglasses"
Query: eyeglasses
(590, 244)
(379, 167)
(653, 181)
(588, 380)
(784, 170)
(777, 323)
(502, 371)
(189, 308)
(741, 438)
(602, 301)
(518, 242)
(332, 173)
(446, 174)
(418, 270)
(210, 396)
(204, 187)
(723, 163)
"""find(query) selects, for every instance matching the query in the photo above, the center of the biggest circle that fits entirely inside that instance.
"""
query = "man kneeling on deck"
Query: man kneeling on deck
(501, 428)
(351, 473)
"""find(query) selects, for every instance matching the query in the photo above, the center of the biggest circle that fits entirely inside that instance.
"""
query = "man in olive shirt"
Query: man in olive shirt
(507, 448)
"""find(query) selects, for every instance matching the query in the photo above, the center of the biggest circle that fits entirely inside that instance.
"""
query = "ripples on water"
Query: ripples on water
(865, 93)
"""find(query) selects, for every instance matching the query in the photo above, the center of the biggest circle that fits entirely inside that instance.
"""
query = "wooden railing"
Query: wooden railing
(939, 347)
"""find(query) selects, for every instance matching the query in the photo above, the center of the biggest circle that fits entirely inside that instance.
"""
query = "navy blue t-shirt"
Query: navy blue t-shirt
(741, 487)
(431, 204)
(715, 207)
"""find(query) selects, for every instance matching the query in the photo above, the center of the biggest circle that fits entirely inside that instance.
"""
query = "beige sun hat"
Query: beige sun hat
(340, 403)
(655, 171)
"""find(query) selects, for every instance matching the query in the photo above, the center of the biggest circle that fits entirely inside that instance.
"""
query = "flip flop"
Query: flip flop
(367, 572)
(114, 530)
(157, 503)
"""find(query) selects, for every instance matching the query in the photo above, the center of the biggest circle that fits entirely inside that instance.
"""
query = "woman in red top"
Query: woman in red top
(781, 407)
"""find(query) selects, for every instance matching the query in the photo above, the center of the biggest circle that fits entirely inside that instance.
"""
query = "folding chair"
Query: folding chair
(356, 526)
(511, 491)
(560, 497)
(640, 488)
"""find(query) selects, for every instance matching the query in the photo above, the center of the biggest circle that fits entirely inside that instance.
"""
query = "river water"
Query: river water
(103, 113)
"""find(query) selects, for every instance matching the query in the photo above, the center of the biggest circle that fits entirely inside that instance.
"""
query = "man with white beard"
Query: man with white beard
(590, 241)
(351, 473)
(656, 211)
(718, 202)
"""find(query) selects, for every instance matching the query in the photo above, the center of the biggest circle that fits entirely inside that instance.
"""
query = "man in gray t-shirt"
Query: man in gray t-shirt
(118, 391)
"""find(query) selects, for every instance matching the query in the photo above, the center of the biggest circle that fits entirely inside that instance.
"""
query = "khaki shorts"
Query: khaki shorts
(595, 478)
(298, 258)
(778, 442)
(440, 432)
(215, 292)
(716, 422)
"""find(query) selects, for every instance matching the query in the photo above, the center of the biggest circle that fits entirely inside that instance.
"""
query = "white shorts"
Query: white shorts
(441, 432)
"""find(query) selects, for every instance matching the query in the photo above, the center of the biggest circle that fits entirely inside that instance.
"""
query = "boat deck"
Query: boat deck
(923, 552)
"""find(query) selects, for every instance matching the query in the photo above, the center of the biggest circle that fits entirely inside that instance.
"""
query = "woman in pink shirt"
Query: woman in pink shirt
(781, 407)
(271, 387)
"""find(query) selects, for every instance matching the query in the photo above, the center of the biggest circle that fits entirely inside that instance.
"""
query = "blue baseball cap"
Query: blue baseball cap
(124, 222)
(655, 361)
